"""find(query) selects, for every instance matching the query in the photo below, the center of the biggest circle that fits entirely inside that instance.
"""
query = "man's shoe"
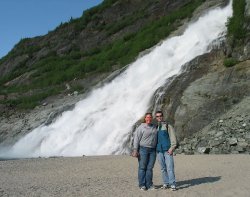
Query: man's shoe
(173, 187)
(143, 188)
(165, 186)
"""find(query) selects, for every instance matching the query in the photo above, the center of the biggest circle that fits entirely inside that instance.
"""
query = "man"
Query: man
(166, 143)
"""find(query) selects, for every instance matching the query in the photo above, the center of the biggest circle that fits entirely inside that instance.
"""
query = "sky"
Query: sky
(29, 18)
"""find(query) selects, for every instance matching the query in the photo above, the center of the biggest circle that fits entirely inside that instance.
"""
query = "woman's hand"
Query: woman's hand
(135, 153)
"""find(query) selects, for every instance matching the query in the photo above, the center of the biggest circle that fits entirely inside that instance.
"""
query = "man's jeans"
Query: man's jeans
(147, 157)
(167, 167)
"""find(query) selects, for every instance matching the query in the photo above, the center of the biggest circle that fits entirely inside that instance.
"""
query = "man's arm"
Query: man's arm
(173, 140)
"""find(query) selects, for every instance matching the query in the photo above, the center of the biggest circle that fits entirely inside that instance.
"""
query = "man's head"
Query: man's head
(159, 116)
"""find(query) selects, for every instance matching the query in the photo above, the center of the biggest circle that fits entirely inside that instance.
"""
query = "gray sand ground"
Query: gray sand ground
(197, 175)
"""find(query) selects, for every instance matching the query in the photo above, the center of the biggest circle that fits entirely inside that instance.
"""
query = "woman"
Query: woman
(144, 148)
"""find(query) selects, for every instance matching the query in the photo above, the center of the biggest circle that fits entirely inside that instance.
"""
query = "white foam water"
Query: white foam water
(99, 124)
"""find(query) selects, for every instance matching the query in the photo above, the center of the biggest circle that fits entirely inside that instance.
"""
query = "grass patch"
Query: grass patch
(229, 62)
(29, 102)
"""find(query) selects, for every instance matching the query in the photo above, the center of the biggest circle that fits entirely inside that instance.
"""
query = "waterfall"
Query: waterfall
(101, 123)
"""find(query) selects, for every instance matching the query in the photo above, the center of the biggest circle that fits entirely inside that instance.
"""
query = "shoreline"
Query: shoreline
(103, 156)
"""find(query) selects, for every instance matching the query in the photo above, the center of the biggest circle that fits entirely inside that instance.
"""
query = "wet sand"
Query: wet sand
(197, 175)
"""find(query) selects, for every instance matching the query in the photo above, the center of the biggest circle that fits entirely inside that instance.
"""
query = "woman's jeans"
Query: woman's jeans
(147, 157)
(166, 162)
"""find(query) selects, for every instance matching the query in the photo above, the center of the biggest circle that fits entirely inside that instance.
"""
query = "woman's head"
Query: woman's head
(148, 118)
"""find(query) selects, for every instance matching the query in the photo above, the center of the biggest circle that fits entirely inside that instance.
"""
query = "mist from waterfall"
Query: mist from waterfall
(99, 124)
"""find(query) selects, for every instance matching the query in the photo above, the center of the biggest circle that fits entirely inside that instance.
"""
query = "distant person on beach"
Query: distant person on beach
(144, 149)
(166, 143)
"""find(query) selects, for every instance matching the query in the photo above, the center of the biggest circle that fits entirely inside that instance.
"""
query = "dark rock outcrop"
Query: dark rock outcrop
(229, 133)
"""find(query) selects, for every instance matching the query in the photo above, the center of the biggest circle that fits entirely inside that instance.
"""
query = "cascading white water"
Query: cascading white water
(101, 123)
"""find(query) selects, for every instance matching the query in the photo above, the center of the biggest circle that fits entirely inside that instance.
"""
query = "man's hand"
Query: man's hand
(135, 153)
(170, 151)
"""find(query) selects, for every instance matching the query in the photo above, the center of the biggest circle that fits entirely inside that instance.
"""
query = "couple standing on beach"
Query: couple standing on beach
(151, 140)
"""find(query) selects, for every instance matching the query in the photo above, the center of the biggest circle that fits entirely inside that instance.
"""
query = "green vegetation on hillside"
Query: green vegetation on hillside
(54, 71)
(32, 100)
(236, 23)
(236, 29)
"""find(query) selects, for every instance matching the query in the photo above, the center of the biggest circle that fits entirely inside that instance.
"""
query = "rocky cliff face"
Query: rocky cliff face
(203, 95)
(228, 133)
(208, 103)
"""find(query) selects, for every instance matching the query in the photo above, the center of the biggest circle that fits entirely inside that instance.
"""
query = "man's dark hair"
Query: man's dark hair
(159, 112)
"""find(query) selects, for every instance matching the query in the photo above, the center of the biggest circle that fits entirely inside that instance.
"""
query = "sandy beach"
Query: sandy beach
(197, 175)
